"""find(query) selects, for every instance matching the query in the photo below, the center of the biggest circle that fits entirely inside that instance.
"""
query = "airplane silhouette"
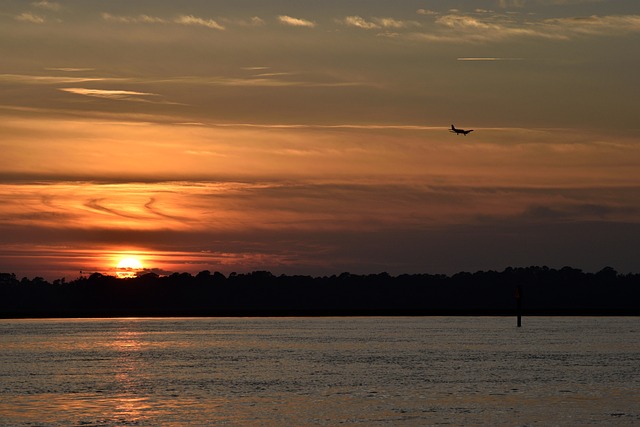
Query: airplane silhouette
(459, 131)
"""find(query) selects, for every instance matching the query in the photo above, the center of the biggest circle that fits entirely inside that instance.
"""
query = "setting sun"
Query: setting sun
(129, 263)
(128, 267)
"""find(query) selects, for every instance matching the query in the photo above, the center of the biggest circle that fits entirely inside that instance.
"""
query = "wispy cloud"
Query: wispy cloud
(48, 5)
(396, 24)
(254, 21)
(489, 59)
(522, 3)
(148, 19)
(295, 22)
(118, 95)
(30, 17)
(594, 25)
(31, 79)
(194, 20)
(511, 3)
(490, 27)
(69, 69)
(377, 23)
(133, 19)
(262, 78)
(426, 12)
(359, 22)
(487, 29)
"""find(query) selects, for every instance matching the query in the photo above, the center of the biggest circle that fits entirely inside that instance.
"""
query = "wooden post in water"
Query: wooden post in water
(519, 304)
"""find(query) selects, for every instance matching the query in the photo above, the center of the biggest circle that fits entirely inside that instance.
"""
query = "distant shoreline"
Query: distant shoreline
(533, 291)
(257, 315)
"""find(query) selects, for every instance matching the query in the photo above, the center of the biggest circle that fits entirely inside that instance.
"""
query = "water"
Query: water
(320, 371)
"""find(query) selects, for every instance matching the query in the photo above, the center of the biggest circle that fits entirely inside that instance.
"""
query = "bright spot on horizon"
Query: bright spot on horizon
(128, 267)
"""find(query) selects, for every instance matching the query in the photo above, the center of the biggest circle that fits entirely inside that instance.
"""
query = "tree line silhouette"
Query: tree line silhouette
(544, 291)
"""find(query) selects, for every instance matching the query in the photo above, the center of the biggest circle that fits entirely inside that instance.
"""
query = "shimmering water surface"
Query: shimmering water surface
(320, 371)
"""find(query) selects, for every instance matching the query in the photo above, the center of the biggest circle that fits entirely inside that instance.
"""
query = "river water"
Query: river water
(408, 371)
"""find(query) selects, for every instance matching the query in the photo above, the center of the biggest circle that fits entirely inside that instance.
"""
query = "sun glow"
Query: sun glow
(128, 267)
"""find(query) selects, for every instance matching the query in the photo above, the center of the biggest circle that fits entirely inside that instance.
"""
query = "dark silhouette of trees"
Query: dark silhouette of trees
(567, 291)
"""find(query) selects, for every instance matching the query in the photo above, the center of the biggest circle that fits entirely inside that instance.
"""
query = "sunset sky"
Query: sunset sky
(311, 137)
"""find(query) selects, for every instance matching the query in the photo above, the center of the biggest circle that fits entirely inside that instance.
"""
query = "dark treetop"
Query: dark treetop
(543, 291)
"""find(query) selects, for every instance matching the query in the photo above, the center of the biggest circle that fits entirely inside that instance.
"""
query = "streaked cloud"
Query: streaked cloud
(477, 29)
(426, 12)
(231, 225)
(301, 205)
(377, 23)
(118, 95)
(30, 17)
(34, 79)
(486, 58)
(69, 69)
(511, 3)
(261, 78)
(147, 19)
(266, 79)
(254, 21)
(594, 25)
(295, 22)
(396, 24)
(48, 5)
(522, 3)
(488, 27)
(359, 22)
(193, 20)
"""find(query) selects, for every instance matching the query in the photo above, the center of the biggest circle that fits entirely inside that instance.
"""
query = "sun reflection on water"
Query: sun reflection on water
(130, 369)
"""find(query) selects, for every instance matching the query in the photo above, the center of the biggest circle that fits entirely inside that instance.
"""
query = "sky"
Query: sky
(306, 137)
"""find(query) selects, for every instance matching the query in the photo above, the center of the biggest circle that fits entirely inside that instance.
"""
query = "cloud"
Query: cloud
(193, 20)
(254, 21)
(31, 79)
(30, 17)
(457, 28)
(377, 23)
(118, 95)
(358, 22)
(489, 59)
(98, 206)
(69, 69)
(511, 3)
(488, 29)
(147, 19)
(295, 22)
(48, 5)
(303, 223)
(426, 12)
(395, 24)
(133, 19)
(595, 25)
(260, 79)
(505, 4)
(267, 79)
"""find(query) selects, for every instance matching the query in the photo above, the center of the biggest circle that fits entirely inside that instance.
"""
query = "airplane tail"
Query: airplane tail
(453, 127)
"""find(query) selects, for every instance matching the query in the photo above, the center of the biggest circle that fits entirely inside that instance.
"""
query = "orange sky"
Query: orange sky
(314, 139)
